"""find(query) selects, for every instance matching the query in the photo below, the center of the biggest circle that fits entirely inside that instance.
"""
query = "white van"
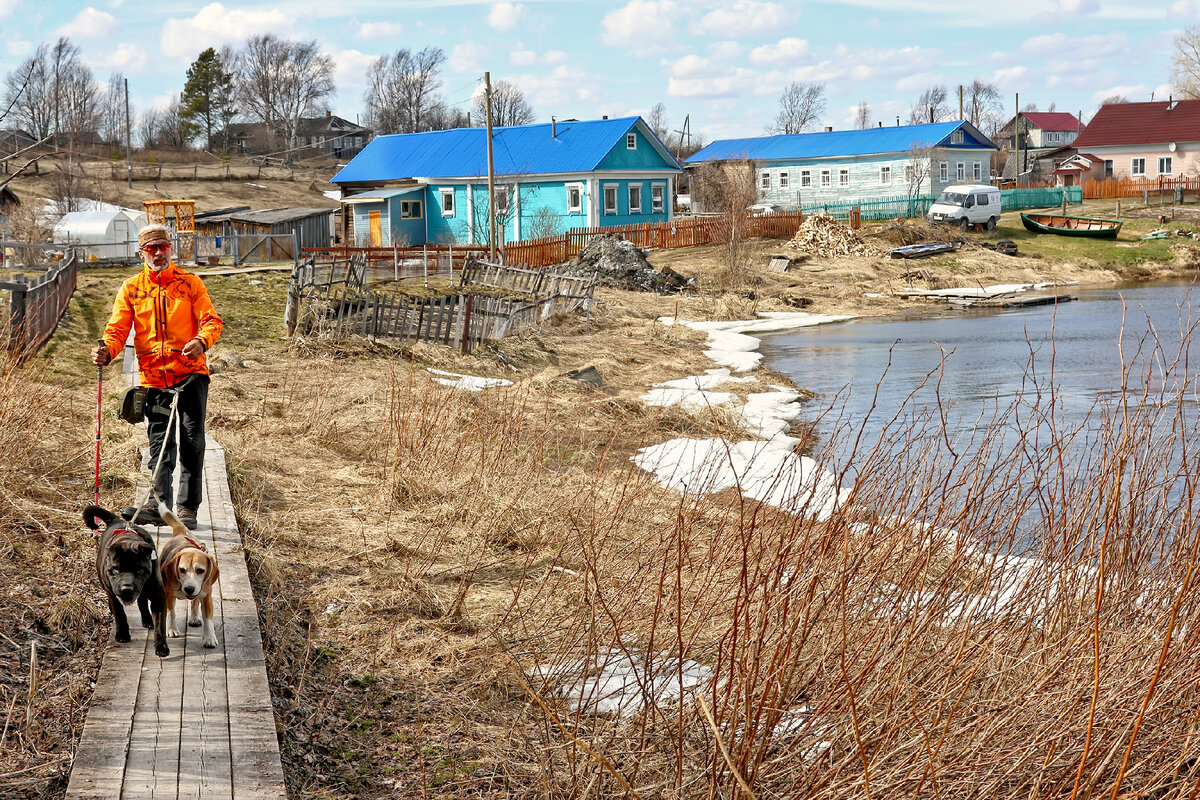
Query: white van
(967, 204)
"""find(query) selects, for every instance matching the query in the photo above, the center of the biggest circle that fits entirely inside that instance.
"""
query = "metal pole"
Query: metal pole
(487, 110)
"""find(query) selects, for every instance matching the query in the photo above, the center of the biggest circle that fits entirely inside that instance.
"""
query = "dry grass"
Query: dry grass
(434, 568)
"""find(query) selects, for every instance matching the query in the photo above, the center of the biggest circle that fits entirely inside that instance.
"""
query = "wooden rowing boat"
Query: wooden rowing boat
(1091, 227)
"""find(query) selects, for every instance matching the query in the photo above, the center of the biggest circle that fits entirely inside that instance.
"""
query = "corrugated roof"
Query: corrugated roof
(832, 144)
(577, 146)
(1142, 123)
(277, 215)
(1052, 120)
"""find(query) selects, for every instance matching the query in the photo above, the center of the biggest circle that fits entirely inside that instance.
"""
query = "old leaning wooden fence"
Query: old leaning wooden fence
(335, 303)
(35, 308)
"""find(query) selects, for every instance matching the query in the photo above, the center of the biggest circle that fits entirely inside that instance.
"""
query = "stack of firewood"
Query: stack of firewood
(826, 237)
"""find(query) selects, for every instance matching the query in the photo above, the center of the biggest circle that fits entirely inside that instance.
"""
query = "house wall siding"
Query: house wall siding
(1186, 157)
(864, 177)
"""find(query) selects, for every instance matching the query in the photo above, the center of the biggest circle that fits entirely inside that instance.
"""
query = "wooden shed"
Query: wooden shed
(313, 227)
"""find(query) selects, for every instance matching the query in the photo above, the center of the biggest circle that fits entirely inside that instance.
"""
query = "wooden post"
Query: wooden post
(466, 324)
(16, 317)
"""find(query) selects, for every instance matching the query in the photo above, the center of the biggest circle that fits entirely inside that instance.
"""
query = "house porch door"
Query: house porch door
(376, 228)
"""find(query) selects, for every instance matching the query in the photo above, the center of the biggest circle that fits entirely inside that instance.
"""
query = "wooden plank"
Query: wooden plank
(152, 763)
(205, 760)
(254, 745)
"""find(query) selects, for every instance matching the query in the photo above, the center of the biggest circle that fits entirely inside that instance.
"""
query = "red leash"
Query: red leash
(99, 405)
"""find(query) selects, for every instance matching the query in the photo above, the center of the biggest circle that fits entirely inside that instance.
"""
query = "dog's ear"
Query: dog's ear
(97, 518)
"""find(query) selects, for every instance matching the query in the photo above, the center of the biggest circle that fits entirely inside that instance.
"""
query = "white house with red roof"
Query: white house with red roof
(1153, 141)
(1042, 129)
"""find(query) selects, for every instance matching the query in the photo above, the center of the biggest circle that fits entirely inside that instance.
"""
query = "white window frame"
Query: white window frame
(1137, 167)
(610, 210)
(447, 193)
(843, 176)
(977, 170)
(631, 141)
(1165, 161)
(658, 198)
(943, 172)
(577, 207)
(826, 178)
(910, 173)
(885, 174)
(764, 181)
(805, 178)
(501, 199)
(785, 179)
(956, 137)
(961, 170)
(634, 189)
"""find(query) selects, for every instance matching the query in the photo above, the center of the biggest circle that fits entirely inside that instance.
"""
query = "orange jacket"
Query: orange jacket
(166, 309)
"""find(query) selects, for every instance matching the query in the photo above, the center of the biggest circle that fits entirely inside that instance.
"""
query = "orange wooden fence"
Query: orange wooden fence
(1136, 187)
(550, 250)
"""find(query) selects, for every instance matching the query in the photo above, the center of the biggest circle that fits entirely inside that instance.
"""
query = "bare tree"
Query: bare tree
(657, 120)
(919, 169)
(981, 104)
(29, 94)
(800, 108)
(862, 116)
(112, 110)
(1185, 63)
(931, 106)
(509, 106)
(1113, 99)
(173, 130)
(281, 81)
(148, 127)
(402, 92)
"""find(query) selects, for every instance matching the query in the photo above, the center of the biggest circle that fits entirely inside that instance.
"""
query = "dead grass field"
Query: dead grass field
(434, 566)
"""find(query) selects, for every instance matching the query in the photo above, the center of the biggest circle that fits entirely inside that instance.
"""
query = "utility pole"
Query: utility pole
(960, 101)
(128, 147)
(1017, 138)
(487, 110)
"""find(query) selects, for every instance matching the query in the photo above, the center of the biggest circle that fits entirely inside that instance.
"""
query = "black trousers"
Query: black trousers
(188, 451)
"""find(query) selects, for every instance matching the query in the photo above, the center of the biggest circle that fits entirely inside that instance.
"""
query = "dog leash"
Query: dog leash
(99, 407)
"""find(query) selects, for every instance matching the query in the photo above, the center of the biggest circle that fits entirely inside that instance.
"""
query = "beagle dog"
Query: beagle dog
(188, 573)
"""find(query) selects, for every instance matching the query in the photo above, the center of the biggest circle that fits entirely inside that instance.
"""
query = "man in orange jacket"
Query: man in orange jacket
(173, 324)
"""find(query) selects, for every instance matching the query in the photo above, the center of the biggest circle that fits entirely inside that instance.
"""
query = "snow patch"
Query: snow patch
(470, 383)
(729, 344)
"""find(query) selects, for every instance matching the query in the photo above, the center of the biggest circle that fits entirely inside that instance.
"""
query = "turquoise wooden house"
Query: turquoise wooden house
(416, 188)
(804, 170)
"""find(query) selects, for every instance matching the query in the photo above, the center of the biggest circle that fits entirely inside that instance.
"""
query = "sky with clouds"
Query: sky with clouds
(723, 64)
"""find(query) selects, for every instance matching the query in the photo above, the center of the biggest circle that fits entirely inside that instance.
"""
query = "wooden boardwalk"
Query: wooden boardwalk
(198, 723)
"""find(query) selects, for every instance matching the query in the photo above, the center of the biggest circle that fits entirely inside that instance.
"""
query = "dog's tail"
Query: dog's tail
(177, 527)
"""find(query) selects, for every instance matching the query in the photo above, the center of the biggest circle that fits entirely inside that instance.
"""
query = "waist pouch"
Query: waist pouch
(131, 406)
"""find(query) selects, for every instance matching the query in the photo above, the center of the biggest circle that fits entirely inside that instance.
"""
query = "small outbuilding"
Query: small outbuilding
(102, 235)
(312, 227)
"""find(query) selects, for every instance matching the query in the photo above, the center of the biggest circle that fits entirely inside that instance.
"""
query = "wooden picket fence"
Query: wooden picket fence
(338, 308)
(35, 308)
(1111, 188)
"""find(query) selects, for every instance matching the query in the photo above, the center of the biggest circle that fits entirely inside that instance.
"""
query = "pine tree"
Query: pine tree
(207, 96)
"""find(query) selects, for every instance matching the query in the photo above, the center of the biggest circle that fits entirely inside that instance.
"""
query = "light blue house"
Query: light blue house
(807, 169)
(414, 188)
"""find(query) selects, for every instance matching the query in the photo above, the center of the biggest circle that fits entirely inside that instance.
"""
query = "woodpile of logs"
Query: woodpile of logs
(826, 237)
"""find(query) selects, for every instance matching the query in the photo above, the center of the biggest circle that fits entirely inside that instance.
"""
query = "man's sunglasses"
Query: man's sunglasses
(157, 247)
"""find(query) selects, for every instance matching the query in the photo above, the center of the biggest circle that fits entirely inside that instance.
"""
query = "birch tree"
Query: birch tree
(281, 81)
(509, 106)
(931, 106)
(1185, 63)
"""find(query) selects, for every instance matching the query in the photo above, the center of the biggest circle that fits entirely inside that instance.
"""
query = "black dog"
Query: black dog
(127, 565)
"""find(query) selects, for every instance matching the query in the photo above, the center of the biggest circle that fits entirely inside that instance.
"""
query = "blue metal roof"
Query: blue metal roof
(576, 146)
(832, 144)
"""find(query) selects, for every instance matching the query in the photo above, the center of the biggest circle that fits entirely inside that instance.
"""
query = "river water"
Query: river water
(958, 366)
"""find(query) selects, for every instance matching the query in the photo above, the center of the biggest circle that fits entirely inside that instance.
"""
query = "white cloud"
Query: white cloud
(725, 50)
(564, 91)
(697, 78)
(522, 56)
(556, 57)
(380, 30)
(468, 57)
(18, 48)
(125, 57)
(215, 25)
(745, 18)
(90, 24)
(1075, 8)
(643, 27)
(506, 16)
(789, 50)
(1060, 47)
(1137, 93)
(1183, 9)
(350, 75)
(7, 7)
